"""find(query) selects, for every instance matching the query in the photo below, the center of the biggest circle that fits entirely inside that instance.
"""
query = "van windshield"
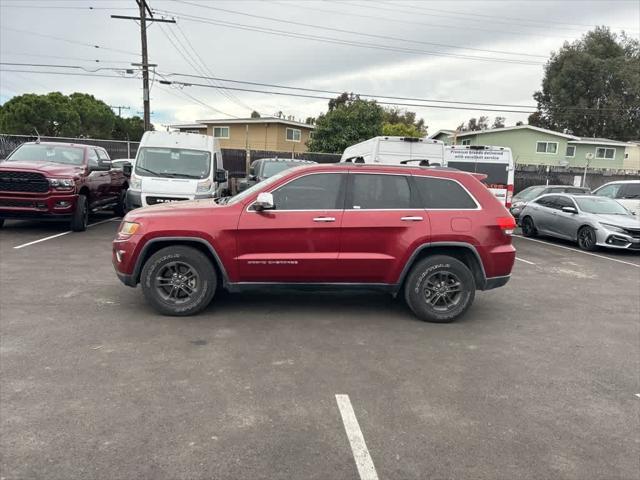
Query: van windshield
(173, 162)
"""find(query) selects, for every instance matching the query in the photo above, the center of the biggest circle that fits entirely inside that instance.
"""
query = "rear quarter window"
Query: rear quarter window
(440, 193)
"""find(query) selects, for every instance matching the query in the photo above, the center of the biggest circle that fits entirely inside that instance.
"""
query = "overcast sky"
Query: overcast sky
(429, 56)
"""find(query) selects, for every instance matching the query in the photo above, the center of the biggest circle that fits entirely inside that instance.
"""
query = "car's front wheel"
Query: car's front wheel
(178, 281)
(587, 239)
(439, 289)
(528, 227)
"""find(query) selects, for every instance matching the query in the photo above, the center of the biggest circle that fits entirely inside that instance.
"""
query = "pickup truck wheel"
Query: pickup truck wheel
(80, 217)
(178, 281)
(121, 207)
(439, 289)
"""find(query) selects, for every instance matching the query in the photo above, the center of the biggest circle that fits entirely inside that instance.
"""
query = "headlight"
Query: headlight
(127, 229)
(62, 183)
(135, 183)
(613, 228)
(518, 204)
(204, 186)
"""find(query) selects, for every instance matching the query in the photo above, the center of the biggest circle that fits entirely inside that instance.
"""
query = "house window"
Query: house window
(191, 130)
(605, 153)
(466, 141)
(547, 147)
(571, 151)
(221, 132)
(293, 135)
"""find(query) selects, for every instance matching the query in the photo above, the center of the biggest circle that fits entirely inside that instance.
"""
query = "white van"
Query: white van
(395, 150)
(495, 162)
(175, 166)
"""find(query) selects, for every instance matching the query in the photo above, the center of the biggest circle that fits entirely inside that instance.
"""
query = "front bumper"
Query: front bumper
(612, 239)
(136, 199)
(47, 206)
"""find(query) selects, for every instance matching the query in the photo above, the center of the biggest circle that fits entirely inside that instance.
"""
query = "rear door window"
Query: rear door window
(629, 190)
(440, 193)
(380, 192)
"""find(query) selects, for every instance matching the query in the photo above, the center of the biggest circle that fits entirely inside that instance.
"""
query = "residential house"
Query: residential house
(538, 146)
(445, 136)
(632, 156)
(266, 133)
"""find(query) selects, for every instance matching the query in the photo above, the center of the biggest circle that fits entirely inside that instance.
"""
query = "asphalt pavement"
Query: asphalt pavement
(539, 380)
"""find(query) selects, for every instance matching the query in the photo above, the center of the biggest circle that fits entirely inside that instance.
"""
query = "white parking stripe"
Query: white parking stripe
(525, 261)
(579, 251)
(61, 234)
(365, 466)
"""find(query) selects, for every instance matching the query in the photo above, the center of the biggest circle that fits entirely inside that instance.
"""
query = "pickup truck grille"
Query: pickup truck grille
(23, 182)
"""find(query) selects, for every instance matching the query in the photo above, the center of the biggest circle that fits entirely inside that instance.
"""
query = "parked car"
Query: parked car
(523, 197)
(264, 168)
(176, 166)
(433, 235)
(589, 220)
(626, 192)
(59, 181)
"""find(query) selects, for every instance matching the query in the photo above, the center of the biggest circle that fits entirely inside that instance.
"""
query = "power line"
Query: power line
(74, 74)
(352, 32)
(78, 59)
(64, 7)
(337, 41)
(78, 67)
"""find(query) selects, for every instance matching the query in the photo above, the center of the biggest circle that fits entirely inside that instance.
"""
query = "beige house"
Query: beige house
(632, 156)
(266, 133)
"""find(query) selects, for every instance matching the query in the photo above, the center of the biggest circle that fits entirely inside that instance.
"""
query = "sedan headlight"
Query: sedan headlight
(135, 183)
(204, 186)
(62, 183)
(613, 228)
(518, 204)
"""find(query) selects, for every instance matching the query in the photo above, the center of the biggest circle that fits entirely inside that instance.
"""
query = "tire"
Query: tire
(168, 291)
(528, 227)
(434, 276)
(587, 239)
(80, 217)
(121, 207)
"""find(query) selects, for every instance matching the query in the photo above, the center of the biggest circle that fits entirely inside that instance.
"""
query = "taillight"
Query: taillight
(509, 196)
(506, 224)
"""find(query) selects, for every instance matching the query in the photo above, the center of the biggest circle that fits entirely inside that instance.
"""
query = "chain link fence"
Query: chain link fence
(116, 148)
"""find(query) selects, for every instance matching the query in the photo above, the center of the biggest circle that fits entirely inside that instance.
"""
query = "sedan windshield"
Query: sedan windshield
(37, 152)
(271, 168)
(529, 194)
(601, 206)
(173, 162)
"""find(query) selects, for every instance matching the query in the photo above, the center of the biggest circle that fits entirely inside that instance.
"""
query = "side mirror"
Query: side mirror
(221, 176)
(569, 209)
(127, 168)
(264, 201)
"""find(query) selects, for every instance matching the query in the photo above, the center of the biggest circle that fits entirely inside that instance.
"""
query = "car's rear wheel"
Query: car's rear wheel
(80, 216)
(439, 289)
(178, 281)
(587, 239)
(528, 227)
(121, 207)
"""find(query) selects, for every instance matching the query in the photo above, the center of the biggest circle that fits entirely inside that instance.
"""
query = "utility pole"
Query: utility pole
(144, 9)
(120, 108)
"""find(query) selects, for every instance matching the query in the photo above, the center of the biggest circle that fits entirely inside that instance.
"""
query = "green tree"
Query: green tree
(498, 122)
(96, 117)
(349, 120)
(592, 87)
(397, 116)
(131, 128)
(401, 130)
(255, 114)
(51, 114)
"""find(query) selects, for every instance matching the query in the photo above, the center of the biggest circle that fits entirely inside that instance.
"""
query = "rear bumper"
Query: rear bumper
(47, 206)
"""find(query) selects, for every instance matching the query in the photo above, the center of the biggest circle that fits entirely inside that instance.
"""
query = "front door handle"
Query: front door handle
(324, 219)
(411, 219)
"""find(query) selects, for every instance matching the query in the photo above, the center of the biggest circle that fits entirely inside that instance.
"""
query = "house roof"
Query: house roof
(188, 125)
(518, 127)
(448, 132)
(599, 141)
(234, 121)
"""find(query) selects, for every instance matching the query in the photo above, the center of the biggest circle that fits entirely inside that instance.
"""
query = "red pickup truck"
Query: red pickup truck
(59, 181)
(433, 235)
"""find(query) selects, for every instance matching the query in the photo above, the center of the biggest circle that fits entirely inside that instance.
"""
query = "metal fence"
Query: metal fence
(116, 148)
(529, 175)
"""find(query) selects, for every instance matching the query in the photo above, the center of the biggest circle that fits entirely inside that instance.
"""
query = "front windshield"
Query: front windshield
(173, 162)
(251, 190)
(601, 206)
(529, 194)
(271, 168)
(37, 152)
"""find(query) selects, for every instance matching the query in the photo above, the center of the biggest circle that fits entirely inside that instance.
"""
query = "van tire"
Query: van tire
(439, 289)
(178, 281)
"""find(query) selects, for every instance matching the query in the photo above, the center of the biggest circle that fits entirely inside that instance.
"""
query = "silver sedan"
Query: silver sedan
(589, 220)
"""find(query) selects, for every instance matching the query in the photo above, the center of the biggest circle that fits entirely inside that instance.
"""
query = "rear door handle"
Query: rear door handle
(324, 219)
(411, 219)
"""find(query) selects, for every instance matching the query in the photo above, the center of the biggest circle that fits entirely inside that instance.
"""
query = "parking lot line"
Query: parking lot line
(579, 251)
(51, 237)
(365, 466)
(525, 261)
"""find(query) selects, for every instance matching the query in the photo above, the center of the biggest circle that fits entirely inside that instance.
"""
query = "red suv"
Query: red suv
(436, 235)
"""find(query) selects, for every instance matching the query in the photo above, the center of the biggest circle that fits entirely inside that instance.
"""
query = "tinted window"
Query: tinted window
(555, 190)
(564, 202)
(380, 191)
(320, 191)
(577, 190)
(497, 173)
(546, 201)
(442, 193)
(529, 193)
(630, 190)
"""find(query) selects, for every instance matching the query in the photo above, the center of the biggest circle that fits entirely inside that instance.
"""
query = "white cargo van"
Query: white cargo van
(175, 166)
(395, 150)
(495, 162)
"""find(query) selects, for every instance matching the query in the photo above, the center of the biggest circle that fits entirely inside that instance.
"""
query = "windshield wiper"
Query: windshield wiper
(138, 167)
(180, 175)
